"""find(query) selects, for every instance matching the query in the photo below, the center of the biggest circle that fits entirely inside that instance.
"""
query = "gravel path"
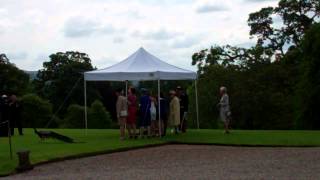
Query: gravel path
(187, 162)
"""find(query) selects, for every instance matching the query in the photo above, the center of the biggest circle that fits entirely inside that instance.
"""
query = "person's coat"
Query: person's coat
(174, 113)
(121, 105)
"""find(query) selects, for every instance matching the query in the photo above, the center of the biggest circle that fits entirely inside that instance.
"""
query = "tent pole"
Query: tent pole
(85, 105)
(197, 105)
(126, 90)
(159, 110)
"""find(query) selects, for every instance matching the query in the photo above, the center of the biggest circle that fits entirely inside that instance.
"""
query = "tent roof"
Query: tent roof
(141, 65)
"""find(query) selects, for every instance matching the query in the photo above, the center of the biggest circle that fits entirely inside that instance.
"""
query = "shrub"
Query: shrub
(74, 117)
(36, 112)
(98, 117)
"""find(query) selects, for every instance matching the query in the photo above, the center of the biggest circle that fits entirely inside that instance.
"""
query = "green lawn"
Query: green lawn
(102, 141)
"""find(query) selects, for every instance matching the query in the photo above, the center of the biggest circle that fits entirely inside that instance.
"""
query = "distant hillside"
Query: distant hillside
(32, 74)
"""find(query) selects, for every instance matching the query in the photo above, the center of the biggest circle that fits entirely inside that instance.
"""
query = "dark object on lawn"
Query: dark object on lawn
(24, 161)
(50, 134)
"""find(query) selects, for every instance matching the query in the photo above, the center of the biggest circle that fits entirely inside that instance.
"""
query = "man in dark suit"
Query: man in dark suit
(4, 116)
(184, 105)
(15, 114)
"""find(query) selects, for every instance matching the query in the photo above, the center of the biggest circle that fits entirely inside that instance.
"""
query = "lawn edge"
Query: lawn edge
(87, 154)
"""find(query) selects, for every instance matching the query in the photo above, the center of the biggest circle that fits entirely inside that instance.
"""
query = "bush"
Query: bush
(36, 112)
(98, 117)
(74, 117)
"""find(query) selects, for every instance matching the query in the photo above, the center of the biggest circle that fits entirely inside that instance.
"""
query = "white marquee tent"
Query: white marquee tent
(140, 66)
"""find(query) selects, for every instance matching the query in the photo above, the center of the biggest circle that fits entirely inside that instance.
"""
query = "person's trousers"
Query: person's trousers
(16, 124)
(183, 123)
(165, 124)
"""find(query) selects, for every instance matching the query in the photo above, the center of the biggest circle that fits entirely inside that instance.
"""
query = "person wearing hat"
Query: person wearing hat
(184, 103)
(174, 111)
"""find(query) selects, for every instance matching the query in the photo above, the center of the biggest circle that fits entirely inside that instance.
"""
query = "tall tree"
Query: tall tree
(282, 26)
(4, 59)
(12, 79)
(62, 74)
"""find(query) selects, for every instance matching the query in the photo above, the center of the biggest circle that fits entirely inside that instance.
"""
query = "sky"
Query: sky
(111, 30)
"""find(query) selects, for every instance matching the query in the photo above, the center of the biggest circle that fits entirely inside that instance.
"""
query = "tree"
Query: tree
(12, 79)
(4, 59)
(61, 75)
(284, 25)
(308, 88)
(231, 56)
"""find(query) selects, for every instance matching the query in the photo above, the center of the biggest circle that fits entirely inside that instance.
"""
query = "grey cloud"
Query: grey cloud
(42, 57)
(17, 55)
(207, 8)
(79, 27)
(186, 42)
(161, 34)
(118, 40)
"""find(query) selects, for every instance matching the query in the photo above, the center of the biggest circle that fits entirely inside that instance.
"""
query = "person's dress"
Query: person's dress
(132, 109)
(224, 107)
(145, 119)
(174, 113)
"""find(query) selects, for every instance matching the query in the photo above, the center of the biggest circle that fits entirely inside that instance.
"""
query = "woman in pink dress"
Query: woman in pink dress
(132, 112)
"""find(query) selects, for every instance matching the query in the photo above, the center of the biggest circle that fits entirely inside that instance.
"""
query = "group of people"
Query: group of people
(172, 112)
(10, 115)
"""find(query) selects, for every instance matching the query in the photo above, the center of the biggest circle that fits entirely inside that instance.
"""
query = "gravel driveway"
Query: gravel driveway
(187, 162)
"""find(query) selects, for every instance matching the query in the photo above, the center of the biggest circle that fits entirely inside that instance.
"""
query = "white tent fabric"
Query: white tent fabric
(141, 65)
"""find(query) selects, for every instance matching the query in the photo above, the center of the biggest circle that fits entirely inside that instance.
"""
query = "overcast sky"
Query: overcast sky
(111, 30)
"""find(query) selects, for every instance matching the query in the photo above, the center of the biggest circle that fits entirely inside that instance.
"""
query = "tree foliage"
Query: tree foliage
(278, 27)
(4, 59)
(62, 74)
(12, 79)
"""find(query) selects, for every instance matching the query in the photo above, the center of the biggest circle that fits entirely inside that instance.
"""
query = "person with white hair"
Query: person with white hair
(224, 108)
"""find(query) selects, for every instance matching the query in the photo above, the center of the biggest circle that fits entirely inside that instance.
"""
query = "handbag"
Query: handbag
(123, 113)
